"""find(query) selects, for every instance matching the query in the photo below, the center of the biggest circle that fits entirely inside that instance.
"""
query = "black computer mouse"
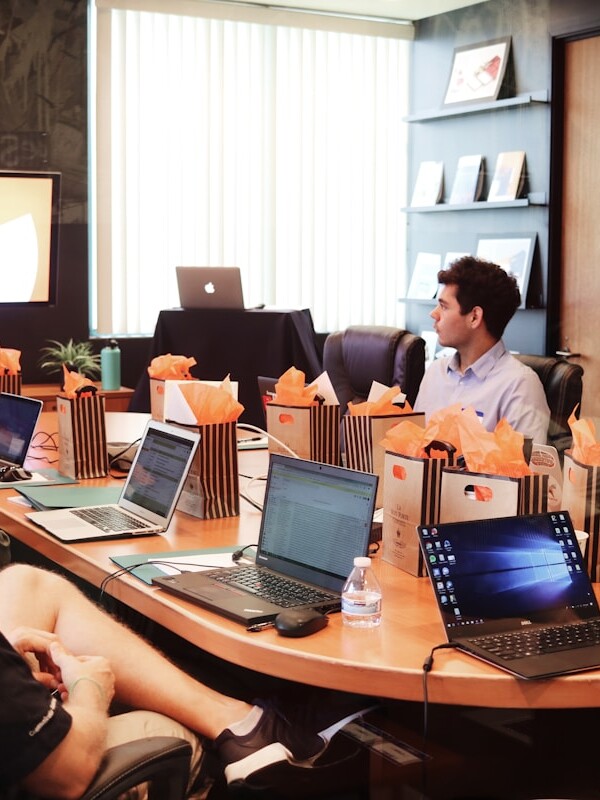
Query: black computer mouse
(299, 622)
(10, 474)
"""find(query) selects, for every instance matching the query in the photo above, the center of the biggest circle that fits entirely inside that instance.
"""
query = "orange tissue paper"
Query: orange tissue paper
(211, 405)
(169, 367)
(497, 453)
(382, 407)
(10, 361)
(405, 438)
(585, 448)
(74, 382)
(290, 390)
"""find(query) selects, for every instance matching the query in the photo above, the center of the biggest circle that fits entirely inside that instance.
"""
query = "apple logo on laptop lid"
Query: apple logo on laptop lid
(209, 287)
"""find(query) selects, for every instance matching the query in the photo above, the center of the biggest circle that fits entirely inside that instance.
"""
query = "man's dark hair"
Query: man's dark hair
(481, 283)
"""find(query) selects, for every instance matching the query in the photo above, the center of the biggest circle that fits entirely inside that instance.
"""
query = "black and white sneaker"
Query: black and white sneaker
(280, 744)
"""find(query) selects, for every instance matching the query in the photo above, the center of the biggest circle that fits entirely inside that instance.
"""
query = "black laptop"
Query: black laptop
(316, 519)
(515, 592)
(18, 418)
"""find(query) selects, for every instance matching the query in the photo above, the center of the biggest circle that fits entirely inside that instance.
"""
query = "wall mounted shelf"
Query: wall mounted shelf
(541, 96)
(533, 199)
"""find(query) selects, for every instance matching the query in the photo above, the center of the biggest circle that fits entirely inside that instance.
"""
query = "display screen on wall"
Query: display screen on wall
(29, 217)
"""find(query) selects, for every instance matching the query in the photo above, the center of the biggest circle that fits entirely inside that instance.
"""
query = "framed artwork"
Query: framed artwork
(478, 72)
(513, 252)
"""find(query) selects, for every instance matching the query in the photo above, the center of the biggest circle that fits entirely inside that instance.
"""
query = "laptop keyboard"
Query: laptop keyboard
(538, 641)
(109, 519)
(274, 588)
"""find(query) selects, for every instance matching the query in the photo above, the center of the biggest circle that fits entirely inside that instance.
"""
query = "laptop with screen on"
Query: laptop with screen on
(148, 498)
(500, 581)
(316, 518)
(18, 418)
(210, 287)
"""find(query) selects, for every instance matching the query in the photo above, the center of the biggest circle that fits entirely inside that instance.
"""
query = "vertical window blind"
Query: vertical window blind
(277, 149)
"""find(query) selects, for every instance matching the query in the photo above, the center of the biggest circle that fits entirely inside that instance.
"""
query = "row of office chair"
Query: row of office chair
(357, 356)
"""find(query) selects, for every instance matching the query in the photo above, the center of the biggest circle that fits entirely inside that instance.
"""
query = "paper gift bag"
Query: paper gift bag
(11, 383)
(411, 497)
(581, 498)
(159, 390)
(162, 393)
(469, 495)
(362, 437)
(212, 487)
(82, 448)
(311, 432)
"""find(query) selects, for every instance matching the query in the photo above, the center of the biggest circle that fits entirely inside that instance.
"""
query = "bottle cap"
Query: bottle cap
(362, 561)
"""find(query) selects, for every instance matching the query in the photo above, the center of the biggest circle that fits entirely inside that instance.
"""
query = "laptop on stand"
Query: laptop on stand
(210, 287)
(316, 518)
(515, 592)
(148, 498)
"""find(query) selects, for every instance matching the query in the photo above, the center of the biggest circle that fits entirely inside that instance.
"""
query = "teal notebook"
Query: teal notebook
(182, 560)
(46, 498)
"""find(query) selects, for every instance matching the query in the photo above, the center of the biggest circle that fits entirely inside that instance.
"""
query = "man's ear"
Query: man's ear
(476, 316)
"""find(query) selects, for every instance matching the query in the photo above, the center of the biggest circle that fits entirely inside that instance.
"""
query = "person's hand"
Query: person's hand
(92, 670)
(33, 646)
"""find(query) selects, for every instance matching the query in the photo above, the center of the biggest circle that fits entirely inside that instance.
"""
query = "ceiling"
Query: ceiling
(390, 9)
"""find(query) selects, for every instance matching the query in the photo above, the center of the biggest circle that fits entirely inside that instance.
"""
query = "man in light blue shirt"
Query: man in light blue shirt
(475, 304)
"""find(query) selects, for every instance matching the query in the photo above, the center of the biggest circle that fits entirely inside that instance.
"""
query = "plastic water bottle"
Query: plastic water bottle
(361, 596)
(110, 366)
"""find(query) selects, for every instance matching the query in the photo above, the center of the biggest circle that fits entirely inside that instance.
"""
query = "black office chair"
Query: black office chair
(163, 762)
(357, 356)
(563, 385)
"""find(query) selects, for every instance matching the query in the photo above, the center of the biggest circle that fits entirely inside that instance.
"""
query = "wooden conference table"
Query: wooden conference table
(386, 662)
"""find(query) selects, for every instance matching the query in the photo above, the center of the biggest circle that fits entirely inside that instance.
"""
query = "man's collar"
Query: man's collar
(484, 363)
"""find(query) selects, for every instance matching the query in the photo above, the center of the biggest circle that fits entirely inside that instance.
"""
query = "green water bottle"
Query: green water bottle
(110, 366)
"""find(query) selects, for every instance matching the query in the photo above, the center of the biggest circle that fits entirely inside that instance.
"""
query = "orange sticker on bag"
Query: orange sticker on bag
(399, 472)
(286, 419)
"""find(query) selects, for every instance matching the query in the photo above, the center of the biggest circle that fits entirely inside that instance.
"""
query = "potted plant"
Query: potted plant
(76, 356)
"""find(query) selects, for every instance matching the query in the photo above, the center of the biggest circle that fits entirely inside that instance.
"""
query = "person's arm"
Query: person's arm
(526, 408)
(87, 687)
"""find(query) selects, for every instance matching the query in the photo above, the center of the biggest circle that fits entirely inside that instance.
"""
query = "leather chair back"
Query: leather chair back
(563, 385)
(357, 356)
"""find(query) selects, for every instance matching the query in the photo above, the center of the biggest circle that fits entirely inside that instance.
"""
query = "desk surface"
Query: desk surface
(243, 344)
(386, 661)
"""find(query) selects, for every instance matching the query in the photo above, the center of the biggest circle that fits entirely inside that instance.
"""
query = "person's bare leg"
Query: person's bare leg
(144, 677)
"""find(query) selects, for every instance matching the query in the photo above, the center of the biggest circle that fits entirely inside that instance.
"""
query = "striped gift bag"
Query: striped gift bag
(11, 383)
(362, 437)
(82, 449)
(310, 432)
(212, 486)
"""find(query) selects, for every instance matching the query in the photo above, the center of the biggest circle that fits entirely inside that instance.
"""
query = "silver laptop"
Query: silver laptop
(316, 519)
(18, 418)
(210, 287)
(515, 592)
(149, 496)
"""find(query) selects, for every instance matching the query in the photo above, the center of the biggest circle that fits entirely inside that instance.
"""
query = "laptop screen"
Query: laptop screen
(499, 574)
(18, 418)
(155, 478)
(316, 519)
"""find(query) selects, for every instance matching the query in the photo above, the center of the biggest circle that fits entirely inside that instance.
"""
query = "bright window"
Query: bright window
(277, 149)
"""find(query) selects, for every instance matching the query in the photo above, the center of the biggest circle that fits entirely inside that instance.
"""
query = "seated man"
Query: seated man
(64, 660)
(477, 301)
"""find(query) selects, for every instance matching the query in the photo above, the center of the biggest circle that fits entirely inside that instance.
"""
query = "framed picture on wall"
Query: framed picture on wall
(513, 252)
(477, 72)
